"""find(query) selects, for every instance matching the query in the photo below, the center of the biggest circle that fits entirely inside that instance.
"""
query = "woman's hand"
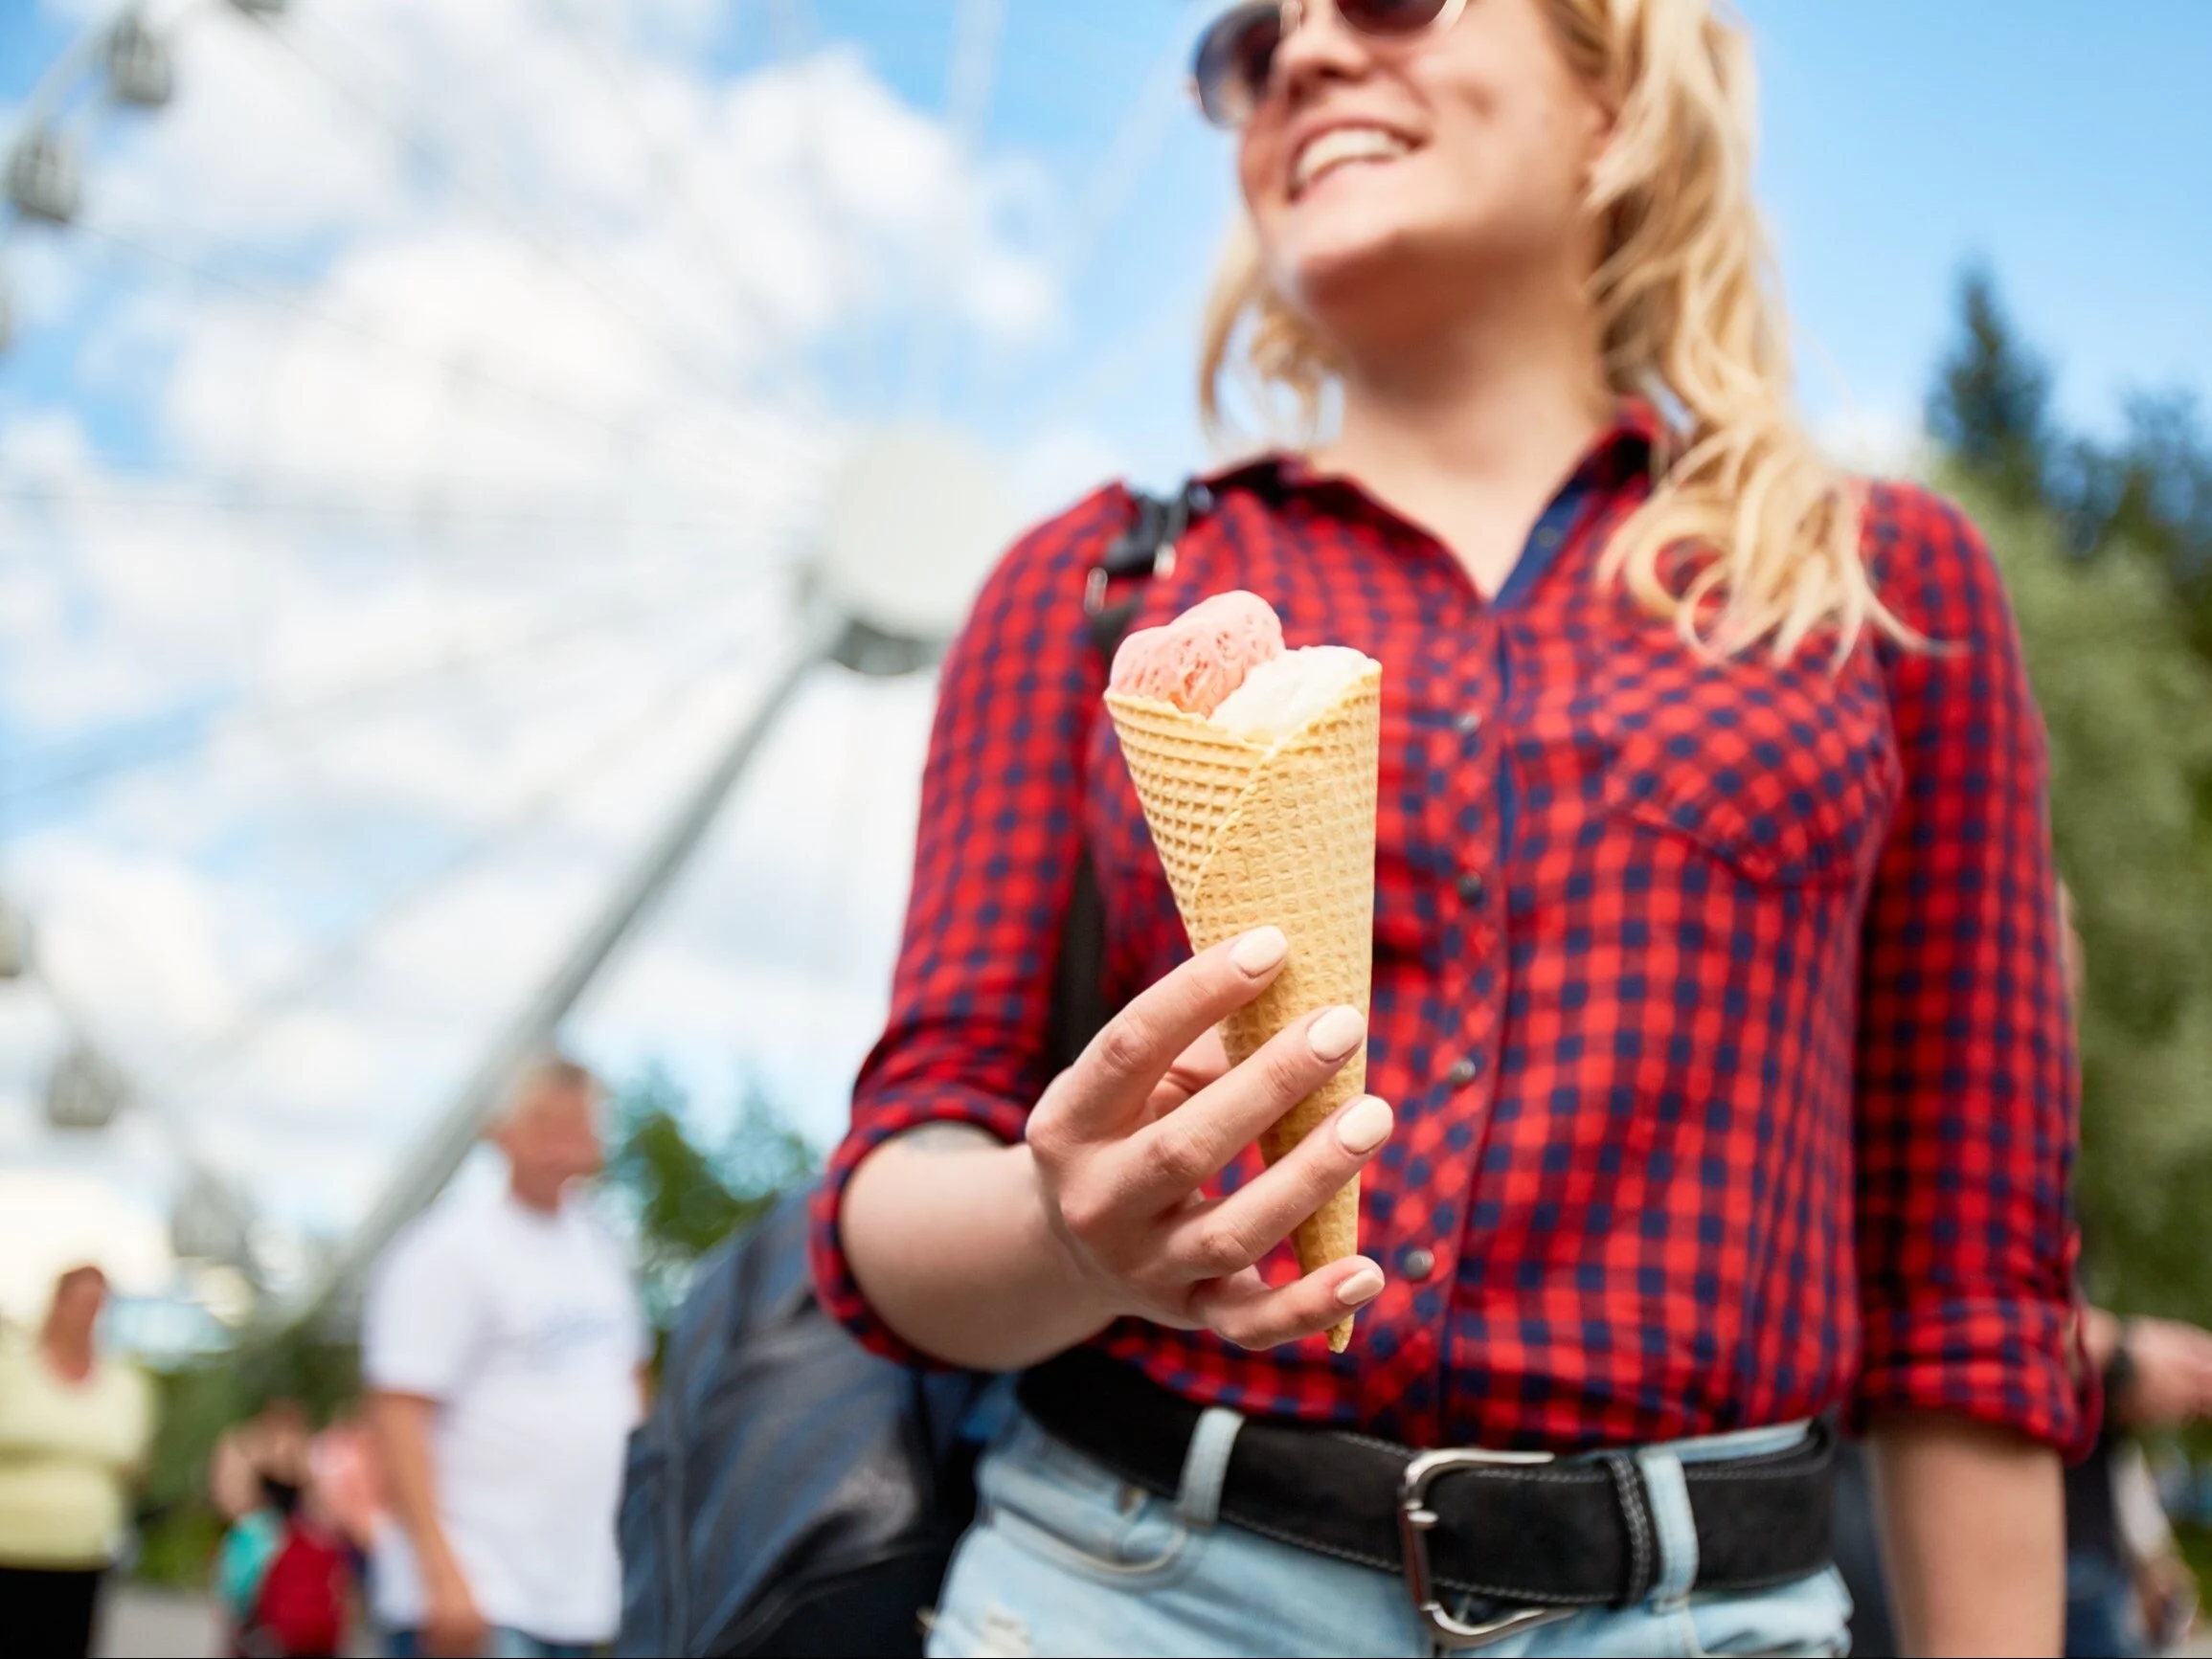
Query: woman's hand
(999, 1257)
(2172, 1386)
(1126, 1136)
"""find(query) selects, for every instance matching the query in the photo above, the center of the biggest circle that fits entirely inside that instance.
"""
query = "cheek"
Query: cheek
(1530, 169)
(1259, 167)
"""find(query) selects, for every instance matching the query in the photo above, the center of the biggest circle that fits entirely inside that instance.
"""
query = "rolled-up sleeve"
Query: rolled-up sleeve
(1967, 1100)
(994, 867)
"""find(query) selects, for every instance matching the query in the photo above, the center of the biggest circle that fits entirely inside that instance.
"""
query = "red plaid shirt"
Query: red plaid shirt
(1720, 1004)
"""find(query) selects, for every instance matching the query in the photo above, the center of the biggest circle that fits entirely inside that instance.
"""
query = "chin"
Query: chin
(1339, 272)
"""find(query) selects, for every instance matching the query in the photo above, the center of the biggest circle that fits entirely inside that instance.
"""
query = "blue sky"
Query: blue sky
(2067, 145)
(2066, 148)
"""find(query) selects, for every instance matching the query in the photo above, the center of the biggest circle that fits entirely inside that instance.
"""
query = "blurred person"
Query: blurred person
(2128, 1590)
(2126, 1584)
(74, 1431)
(504, 1347)
(341, 1466)
(283, 1578)
(270, 1447)
(1711, 785)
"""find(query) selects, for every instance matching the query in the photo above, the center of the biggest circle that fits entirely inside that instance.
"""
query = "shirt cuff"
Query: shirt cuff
(2013, 1364)
(399, 1374)
(875, 1122)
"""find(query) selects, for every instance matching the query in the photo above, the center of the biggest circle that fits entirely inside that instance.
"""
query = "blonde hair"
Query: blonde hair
(1749, 534)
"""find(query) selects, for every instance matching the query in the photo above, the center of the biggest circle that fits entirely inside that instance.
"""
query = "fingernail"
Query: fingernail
(1365, 1125)
(1364, 1286)
(1337, 1033)
(1259, 950)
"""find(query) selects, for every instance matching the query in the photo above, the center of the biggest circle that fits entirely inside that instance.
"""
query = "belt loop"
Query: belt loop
(1206, 1467)
(1636, 1513)
(1663, 1508)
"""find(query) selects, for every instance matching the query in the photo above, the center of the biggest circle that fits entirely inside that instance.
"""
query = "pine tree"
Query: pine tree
(1990, 408)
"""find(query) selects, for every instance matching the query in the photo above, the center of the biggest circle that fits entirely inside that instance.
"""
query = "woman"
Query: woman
(1717, 996)
(73, 1432)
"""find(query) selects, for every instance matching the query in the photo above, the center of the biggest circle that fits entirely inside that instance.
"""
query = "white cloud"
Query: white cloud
(555, 339)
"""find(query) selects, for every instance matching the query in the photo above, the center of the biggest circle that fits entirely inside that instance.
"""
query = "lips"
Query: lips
(1351, 144)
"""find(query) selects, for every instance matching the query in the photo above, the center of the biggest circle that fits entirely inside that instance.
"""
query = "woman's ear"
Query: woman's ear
(1600, 120)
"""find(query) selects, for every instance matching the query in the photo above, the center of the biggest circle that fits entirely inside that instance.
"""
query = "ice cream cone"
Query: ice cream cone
(1253, 834)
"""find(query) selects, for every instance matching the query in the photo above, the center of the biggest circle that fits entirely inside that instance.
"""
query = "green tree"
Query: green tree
(686, 1195)
(2149, 491)
(2153, 492)
(1990, 409)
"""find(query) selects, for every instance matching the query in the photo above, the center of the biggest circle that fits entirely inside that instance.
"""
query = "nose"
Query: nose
(1317, 47)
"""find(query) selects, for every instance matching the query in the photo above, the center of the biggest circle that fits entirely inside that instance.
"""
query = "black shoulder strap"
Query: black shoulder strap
(1145, 549)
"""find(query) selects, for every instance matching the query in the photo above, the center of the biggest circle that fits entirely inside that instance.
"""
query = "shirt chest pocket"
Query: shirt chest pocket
(1787, 773)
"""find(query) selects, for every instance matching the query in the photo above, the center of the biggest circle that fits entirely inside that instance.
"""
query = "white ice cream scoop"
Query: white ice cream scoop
(1280, 695)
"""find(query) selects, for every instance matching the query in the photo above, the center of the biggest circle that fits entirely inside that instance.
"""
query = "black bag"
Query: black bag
(791, 1492)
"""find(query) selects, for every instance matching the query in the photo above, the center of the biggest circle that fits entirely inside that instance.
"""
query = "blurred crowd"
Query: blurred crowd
(465, 1504)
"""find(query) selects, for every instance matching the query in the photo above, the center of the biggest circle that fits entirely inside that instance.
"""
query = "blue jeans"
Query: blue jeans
(2102, 1616)
(1066, 1557)
(504, 1643)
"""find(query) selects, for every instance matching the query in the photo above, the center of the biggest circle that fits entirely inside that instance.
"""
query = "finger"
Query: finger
(1194, 1142)
(1114, 1076)
(1246, 1311)
(1202, 1063)
(1217, 1239)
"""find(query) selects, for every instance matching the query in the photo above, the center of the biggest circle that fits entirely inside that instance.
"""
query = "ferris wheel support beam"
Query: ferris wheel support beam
(971, 78)
(441, 1153)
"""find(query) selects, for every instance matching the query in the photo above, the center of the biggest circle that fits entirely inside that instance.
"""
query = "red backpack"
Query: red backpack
(301, 1607)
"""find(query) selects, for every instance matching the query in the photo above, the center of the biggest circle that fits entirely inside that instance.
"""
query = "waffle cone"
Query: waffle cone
(1255, 833)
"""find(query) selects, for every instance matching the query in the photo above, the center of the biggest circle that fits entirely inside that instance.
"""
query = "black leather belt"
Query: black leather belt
(1533, 1535)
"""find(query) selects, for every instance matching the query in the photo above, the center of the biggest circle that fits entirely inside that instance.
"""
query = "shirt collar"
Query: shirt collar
(1631, 447)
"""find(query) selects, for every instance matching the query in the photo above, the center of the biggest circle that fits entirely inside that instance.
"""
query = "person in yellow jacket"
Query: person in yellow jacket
(73, 1429)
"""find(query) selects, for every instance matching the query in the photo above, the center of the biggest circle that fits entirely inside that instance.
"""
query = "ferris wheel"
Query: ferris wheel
(461, 461)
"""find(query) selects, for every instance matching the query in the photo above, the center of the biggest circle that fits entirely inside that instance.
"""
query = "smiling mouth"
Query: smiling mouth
(1341, 147)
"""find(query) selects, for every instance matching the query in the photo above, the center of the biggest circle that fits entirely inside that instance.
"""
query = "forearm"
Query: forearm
(401, 1423)
(1974, 1534)
(946, 1232)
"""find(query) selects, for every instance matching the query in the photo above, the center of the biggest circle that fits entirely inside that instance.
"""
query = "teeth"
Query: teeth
(1342, 144)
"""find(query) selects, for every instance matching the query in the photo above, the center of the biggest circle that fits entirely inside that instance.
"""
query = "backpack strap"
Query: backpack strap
(1146, 548)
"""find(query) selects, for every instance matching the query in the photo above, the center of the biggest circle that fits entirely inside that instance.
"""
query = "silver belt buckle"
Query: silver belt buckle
(1416, 1520)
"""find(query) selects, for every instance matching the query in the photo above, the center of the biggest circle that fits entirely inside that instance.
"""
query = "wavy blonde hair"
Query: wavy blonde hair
(1749, 534)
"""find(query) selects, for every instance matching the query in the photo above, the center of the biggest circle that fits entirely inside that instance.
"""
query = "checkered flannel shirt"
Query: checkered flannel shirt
(1721, 1003)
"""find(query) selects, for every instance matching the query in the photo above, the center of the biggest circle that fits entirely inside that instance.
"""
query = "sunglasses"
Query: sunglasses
(1236, 55)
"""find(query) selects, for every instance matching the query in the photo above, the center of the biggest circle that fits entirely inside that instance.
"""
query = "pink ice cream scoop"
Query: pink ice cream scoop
(1196, 661)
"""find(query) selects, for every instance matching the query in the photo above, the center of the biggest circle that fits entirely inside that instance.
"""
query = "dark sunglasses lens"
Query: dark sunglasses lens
(1234, 58)
(1390, 17)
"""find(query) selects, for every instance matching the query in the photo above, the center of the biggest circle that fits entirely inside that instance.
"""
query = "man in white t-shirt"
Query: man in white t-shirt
(502, 1346)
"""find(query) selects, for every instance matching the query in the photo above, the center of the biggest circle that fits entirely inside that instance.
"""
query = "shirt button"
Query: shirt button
(1465, 1072)
(1473, 888)
(1469, 722)
(1416, 1263)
